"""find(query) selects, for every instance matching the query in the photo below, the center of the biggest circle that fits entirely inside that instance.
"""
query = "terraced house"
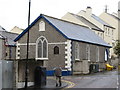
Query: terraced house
(7, 44)
(113, 20)
(7, 55)
(55, 42)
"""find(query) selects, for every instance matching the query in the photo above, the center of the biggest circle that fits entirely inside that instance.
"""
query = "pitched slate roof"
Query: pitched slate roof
(8, 36)
(85, 21)
(1, 37)
(101, 21)
(2, 29)
(70, 31)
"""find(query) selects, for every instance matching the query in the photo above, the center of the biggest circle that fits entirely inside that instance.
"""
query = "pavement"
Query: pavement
(50, 84)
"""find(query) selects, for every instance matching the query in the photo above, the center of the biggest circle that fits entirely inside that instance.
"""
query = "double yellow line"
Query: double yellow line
(69, 86)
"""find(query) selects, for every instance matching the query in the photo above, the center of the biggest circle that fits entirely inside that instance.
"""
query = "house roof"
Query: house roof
(85, 21)
(2, 29)
(70, 31)
(114, 16)
(8, 37)
(101, 21)
(1, 37)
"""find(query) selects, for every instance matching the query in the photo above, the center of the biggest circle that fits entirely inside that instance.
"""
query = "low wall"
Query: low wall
(81, 67)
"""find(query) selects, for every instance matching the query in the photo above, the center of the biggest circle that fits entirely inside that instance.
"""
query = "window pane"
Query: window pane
(45, 49)
(39, 49)
(42, 26)
(77, 51)
(97, 54)
(42, 38)
(56, 50)
(88, 52)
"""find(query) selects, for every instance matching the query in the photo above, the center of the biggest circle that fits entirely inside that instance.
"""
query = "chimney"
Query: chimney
(106, 8)
(89, 10)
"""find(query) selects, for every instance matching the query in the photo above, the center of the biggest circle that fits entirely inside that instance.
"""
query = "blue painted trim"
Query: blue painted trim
(41, 16)
(55, 27)
(11, 45)
(91, 43)
(28, 28)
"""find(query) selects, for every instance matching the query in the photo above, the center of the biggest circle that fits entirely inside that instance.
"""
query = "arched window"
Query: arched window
(88, 52)
(42, 26)
(56, 50)
(42, 48)
(77, 52)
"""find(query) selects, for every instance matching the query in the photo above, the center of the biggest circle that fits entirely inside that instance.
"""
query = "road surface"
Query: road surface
(106, 80)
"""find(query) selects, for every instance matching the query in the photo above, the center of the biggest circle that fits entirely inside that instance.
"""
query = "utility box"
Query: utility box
(96, 68)
(40, 76)
(91, 68)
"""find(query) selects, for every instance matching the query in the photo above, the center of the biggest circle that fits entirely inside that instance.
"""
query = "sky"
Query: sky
(15, 12)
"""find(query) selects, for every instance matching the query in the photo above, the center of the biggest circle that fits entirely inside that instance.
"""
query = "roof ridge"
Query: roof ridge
(65, 21)
(100, 18)
(86, 20)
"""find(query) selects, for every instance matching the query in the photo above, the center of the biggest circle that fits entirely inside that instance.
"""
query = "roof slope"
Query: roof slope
(70, 31)
(2, 29)
(114, 16)
(85, 21)
(1, 37)
(101, 21)
(9, 38)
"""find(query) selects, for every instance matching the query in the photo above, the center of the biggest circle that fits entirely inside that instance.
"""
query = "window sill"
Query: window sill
(77, 60)
(41, 58)
(97, 61)
(41, 30)
(88, 60)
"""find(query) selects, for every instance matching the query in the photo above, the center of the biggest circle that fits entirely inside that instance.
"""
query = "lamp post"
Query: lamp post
(26, 66)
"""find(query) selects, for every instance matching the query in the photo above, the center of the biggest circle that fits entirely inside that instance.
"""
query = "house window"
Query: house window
(98, 33)
(56, 50)
(88, 52)
(42, 26)
(42, 48)
(97, 54)
(77, 52)
(112, 32)
(108, 32)
(101, 35)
